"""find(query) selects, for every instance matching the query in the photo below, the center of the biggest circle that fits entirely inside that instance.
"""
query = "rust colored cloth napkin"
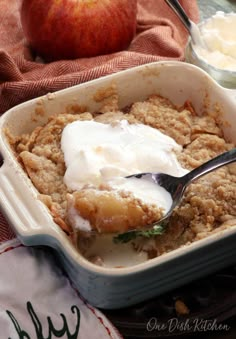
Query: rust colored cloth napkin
(160, 36)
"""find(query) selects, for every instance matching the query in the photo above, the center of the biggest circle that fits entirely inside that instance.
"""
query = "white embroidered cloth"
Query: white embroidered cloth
(37, 300)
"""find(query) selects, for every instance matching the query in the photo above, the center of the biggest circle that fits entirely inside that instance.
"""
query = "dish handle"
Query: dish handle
(24, 212)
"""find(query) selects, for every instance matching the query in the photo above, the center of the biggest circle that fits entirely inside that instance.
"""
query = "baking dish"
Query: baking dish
(103, 287)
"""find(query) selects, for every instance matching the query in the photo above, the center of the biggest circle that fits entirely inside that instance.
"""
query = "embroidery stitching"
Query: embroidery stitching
(58, 333)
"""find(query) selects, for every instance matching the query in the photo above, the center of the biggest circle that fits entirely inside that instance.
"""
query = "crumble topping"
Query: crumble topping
(208, 206)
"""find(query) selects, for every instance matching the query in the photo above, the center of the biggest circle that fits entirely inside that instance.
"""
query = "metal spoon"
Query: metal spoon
(176, 186)
(189, 24)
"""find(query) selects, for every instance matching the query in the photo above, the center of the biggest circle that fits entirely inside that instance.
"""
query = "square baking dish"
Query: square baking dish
(112, 288)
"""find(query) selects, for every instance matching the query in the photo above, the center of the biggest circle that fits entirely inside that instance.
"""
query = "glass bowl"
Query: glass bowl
(224, 77)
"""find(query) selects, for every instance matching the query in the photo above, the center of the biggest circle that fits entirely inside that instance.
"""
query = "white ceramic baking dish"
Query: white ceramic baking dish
(112, 287)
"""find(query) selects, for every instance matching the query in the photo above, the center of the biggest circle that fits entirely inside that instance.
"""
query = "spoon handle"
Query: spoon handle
(178, 9)
(217, 162)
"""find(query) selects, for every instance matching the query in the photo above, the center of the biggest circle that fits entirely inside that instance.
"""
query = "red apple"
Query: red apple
(70, 29)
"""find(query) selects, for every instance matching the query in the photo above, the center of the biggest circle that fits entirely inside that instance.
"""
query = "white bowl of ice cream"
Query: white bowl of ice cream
(219, 58)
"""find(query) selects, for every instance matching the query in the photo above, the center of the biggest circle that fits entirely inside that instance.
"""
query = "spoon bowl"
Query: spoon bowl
(176, 186)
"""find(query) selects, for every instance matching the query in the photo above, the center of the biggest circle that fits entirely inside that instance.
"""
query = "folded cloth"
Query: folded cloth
(39, 301)
(160, 36)
(6, 232)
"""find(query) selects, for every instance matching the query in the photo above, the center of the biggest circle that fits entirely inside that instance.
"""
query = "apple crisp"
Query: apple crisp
(208, 206)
